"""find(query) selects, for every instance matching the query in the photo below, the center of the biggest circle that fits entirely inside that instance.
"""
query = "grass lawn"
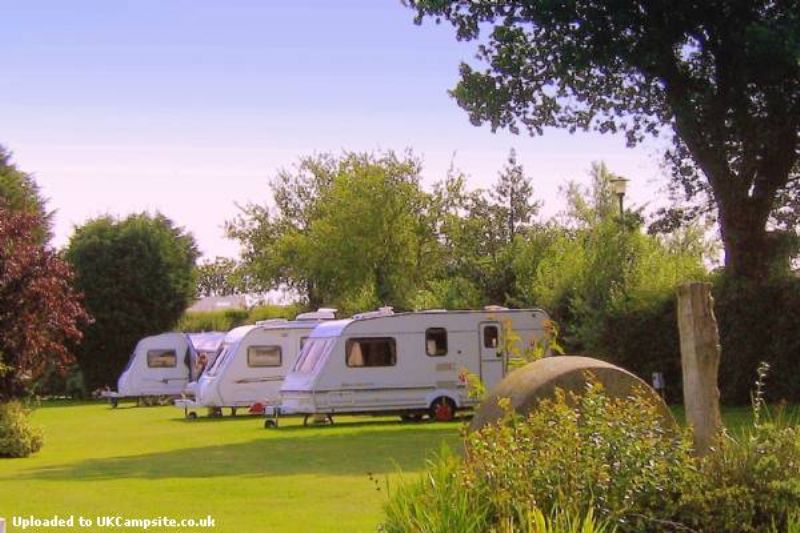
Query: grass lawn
(147, 462)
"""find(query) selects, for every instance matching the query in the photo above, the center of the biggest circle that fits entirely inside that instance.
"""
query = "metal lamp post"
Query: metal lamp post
(619, 186)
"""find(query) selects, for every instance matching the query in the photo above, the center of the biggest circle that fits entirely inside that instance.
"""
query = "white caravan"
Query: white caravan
(406, 363)
(253, 362)
(161, 365)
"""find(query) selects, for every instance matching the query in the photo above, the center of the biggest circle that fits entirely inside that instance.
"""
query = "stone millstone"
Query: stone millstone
(536, 381)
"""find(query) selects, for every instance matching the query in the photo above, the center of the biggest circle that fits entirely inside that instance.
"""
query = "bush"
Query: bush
(17, 437)
(226, 320)
(578, 453)
(609, 461)
(266, 312)
(750, 483)
(577, 457)
(58, 384)
(441, 502)
(212, 320)
(758, 322)
(644, 341)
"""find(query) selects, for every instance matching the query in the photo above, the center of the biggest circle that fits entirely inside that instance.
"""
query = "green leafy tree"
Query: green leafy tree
(353, 231)
(480, 232)
(599, 266)
(221, 277)
(137, 275)
(271, 238)
(372, 240)
(20, 192)
(513, 195)
(723, 76)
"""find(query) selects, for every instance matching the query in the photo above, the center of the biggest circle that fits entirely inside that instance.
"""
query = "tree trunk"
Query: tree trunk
(744, 236)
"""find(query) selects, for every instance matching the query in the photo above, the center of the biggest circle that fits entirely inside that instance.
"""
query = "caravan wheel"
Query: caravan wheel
(443, 409)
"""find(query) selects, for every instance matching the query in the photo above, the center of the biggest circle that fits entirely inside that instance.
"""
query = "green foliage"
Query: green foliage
(480, 233)
(758, 322)
(227, 319)
(19, 192)
(56, 383)
(751, 482)
(573, 459)
(224, 320)
(266, 312)
(137, 275)
(220, 277)
(591, 456)
(17, 437)
(729, 98)
(519, 355)
(574, 453)
(604, 269)
(512, 195)
(441, 501)
(448, 293)
(370, 242)
(644, 340)
(352, 232)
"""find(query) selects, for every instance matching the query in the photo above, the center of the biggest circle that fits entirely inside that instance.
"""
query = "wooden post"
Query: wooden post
(700, 355)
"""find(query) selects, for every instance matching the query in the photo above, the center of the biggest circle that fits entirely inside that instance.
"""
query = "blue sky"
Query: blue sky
(189, 107)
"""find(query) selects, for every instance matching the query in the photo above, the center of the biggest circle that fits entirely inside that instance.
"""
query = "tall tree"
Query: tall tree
(137, 275)
(371, 241)
(20, 192)
(353, 231)
(40, 312)
(513, 194)
(270, 237)
(723, 76)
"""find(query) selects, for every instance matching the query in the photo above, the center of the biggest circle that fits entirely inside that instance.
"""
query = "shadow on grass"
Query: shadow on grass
(286, 451)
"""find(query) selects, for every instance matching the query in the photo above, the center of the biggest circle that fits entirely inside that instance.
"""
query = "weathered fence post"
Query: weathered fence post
(700, 355)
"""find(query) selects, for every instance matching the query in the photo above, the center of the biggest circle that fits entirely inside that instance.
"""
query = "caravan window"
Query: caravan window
(259, 356)
(219, 360)
(162, 359)
(375, 351)
(436, 342)
(490, 336)
(312, 355)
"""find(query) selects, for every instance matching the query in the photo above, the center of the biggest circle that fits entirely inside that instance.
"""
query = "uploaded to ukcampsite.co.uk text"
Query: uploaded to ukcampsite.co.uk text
(110, 522)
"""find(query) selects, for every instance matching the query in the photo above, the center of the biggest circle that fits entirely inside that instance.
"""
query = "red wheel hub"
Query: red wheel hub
(443, 412)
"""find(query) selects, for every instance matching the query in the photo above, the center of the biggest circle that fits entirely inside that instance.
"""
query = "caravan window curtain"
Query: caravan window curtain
(371, 352)
(162, 359)
(261, 356)
(436, 342)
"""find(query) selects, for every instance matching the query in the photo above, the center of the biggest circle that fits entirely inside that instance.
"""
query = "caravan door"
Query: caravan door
(493, 364)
